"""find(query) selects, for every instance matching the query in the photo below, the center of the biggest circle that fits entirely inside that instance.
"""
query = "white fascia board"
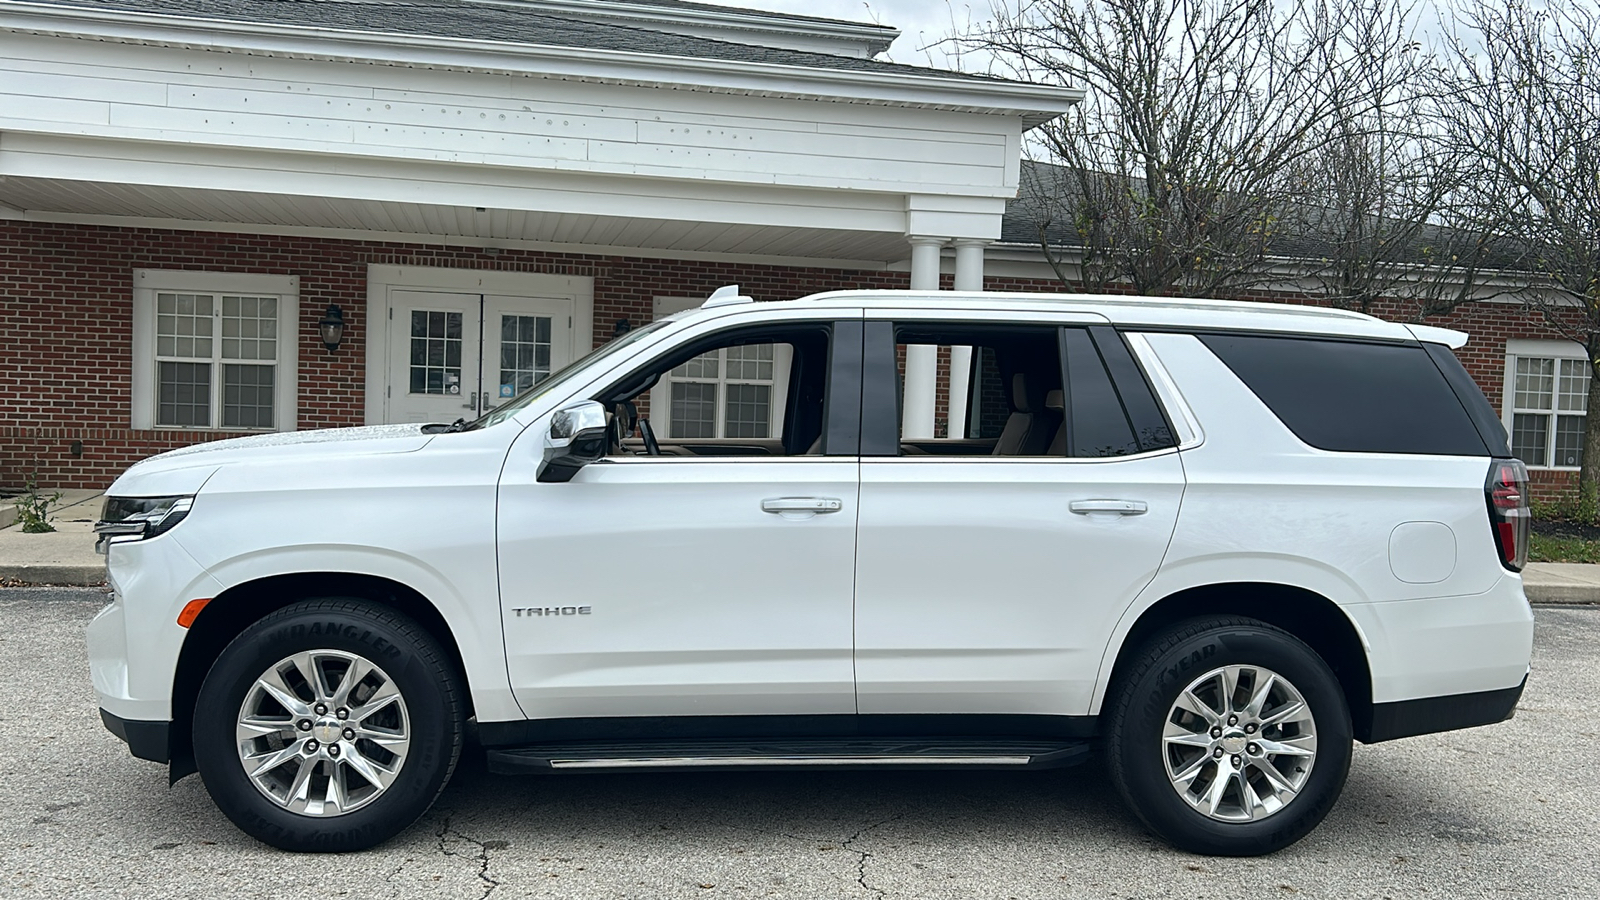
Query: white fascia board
(1033, 104)
(876, 37)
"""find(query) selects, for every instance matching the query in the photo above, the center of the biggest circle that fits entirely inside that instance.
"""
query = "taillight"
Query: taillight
(1507, 492)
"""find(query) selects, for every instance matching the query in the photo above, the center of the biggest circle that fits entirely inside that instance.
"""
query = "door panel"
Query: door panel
(980, 590)
(700, 601)
(433, 356)
(525, 339)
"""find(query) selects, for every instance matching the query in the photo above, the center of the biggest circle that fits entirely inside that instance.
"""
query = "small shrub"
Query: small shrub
(33, 508)
(1581, 507)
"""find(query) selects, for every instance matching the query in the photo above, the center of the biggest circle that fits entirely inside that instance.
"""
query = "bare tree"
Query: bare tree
(1176, 173)
(1380, 218)
(1525, 110)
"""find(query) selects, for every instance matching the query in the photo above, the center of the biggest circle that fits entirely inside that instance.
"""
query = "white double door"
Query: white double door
(457, 355)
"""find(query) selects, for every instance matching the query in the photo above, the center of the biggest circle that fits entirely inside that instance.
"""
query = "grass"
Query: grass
(1562, 548)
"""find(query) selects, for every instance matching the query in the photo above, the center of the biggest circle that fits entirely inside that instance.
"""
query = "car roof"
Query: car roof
(1181, 313)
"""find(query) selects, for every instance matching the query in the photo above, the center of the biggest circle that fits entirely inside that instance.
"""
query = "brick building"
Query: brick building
(481, 190)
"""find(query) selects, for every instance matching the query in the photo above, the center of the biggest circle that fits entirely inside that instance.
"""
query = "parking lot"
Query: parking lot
(1509, 810)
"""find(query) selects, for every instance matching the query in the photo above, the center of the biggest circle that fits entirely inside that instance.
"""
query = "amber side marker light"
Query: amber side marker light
(192, 609)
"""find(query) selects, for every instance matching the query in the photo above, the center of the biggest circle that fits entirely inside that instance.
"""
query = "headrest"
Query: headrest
(1019, 392)
(1055, 400)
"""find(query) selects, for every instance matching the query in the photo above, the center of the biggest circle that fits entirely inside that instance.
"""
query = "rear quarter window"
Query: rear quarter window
(1352, 396)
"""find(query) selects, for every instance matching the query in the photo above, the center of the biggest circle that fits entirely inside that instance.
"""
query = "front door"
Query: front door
(456, 355)
(713, 580)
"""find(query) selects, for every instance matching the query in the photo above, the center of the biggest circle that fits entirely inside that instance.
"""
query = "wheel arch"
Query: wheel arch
(1306, 614)
(235, 609)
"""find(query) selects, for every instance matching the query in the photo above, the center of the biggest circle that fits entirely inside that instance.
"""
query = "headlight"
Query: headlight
(137, 518)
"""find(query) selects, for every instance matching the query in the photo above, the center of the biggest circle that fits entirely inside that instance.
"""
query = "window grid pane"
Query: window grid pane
(1569, 441)
(524, 353)
(249, 327)
(703, 366)
(247, 392)
(183, 325)
(751, 363)
(183, 394)
(435, 352)
(694, 410)
(1529, 438)
(1573, 387)
(749, 412)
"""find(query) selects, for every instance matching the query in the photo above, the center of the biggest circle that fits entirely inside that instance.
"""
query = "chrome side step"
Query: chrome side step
(873, 754)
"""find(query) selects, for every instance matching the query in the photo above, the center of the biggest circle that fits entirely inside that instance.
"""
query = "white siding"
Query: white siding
(60, 86)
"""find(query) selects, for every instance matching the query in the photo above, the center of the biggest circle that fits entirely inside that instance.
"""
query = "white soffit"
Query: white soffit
(72, 200)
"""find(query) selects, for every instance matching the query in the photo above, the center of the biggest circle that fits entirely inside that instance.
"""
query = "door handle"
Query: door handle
(812, 505)
(1109, 507)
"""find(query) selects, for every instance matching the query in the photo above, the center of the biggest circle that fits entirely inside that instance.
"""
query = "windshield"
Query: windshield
(500, 414)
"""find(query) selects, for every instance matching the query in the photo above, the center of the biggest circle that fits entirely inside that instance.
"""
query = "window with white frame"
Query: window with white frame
(214, 350)
(734, 393)
(1546, 400)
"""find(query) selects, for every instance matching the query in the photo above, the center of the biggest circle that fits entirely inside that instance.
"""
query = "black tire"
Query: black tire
(1142, 697)
(418, 667)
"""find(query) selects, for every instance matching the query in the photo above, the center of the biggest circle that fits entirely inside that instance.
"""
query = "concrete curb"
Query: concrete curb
(30, 575)
(1561, 593)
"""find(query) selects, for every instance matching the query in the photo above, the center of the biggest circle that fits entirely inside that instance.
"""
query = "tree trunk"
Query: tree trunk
(1589, 464)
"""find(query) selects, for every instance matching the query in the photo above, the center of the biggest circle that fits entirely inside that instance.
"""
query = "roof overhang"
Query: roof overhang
(876, 38)
(1033, 104)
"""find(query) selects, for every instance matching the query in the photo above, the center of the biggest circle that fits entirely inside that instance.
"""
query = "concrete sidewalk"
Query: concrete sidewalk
(63, 556)
(66, 556)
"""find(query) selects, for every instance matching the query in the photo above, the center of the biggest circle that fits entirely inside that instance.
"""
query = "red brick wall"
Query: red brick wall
(66, 295)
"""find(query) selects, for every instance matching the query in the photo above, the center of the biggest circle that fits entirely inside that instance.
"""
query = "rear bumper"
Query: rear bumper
(145, 740)
(1427, 715)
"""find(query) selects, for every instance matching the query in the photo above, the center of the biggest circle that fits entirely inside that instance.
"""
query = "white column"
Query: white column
(922, 360)
(969, 277)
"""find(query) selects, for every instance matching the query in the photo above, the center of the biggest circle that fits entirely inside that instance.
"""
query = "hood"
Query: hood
(184, 470)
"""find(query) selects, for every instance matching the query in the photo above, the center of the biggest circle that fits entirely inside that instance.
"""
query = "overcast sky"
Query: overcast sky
(921, 22)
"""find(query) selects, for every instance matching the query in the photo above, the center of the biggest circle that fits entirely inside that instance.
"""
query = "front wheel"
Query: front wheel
(1228, 736)
(328, 725)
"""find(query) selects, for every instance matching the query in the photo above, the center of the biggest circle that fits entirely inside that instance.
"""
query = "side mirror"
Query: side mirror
(577, 437)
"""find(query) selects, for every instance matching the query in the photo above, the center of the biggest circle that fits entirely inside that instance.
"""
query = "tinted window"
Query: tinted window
(1150, 426)
(1100, 426)
(1355, 397)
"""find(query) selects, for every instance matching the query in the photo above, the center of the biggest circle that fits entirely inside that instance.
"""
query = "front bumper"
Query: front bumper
(145, 740)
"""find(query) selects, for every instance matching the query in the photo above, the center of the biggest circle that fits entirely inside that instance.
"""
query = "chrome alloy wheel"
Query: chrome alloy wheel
(323, 733)
(1239, 743)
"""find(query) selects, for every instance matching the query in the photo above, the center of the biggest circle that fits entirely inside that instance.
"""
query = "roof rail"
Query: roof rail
(727, 295)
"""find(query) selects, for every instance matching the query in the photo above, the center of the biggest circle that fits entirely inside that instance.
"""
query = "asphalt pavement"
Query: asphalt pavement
(1504, 811)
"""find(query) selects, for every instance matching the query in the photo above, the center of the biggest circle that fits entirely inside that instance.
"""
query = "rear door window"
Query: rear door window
(1353, 396)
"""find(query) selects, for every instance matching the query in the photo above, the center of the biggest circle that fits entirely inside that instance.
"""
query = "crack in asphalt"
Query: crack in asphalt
(481, 857)
(863, 855)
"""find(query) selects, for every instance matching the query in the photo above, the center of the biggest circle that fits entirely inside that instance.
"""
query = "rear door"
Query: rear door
(991, 571)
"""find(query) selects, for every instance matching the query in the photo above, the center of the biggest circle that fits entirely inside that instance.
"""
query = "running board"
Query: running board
(849, 754)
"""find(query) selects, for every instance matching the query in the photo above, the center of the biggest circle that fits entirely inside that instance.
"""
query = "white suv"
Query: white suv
(1216, 541)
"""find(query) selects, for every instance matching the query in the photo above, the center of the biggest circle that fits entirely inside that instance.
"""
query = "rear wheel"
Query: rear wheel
(328, 725)
(1228, 736)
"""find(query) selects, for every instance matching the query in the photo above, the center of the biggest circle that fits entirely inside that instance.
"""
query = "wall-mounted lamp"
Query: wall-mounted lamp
(622, 327)
(332, 327)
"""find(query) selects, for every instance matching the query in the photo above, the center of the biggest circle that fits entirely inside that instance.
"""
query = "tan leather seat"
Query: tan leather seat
(1025, 432)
